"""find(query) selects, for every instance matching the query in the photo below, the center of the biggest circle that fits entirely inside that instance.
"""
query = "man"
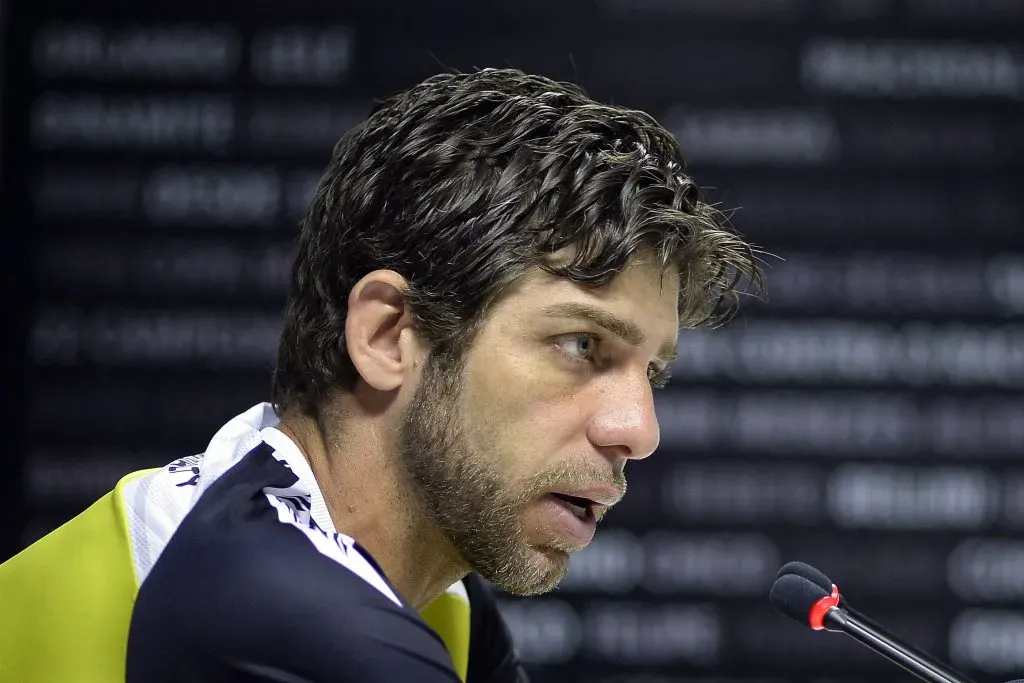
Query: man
(488, 286)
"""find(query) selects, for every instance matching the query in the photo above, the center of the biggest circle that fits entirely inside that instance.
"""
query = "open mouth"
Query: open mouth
(583, 508)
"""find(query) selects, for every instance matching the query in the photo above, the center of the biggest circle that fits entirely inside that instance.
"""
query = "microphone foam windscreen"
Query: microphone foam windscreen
(794, 596)
(805, 570)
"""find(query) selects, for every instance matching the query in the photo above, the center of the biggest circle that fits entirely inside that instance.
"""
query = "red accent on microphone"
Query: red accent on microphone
(816, 615)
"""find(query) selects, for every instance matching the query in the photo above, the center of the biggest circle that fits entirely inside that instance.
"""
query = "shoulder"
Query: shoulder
(245, 583)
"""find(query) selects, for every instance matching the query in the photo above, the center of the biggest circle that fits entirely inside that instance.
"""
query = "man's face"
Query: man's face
(520, 450)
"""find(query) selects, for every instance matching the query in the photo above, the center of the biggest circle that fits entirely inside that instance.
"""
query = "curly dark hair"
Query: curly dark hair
(466, 182)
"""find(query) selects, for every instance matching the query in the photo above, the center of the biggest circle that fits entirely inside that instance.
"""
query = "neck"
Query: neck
(370, 498)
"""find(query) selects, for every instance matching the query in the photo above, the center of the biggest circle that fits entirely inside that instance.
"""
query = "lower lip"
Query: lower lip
(578, 532)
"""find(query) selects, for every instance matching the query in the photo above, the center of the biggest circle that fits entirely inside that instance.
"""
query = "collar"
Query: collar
(287, 450)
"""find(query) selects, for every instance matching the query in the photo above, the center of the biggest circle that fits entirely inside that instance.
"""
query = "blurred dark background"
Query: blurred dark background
(869, 418)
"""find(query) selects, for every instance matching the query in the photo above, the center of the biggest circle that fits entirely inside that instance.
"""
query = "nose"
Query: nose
(625, 424)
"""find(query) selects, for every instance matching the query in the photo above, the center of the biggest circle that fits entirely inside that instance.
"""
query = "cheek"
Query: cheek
(527, 413)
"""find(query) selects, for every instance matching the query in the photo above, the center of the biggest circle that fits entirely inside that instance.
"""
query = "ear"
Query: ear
(379, 332)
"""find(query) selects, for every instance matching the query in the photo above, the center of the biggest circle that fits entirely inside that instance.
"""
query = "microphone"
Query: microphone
(812, 574)
(819, 578)
(810, 603)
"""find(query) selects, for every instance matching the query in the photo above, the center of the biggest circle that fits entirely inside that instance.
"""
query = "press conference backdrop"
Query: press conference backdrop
(869, 419)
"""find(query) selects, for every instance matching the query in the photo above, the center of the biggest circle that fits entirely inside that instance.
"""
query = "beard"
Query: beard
(468, 500)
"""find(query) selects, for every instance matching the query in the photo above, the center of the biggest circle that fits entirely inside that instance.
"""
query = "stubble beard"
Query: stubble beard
(464, 497)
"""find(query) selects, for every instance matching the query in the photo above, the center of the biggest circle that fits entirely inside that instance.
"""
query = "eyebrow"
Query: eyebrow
(624, 329)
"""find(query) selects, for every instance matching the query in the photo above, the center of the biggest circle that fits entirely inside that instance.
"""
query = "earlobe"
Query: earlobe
(377, 330)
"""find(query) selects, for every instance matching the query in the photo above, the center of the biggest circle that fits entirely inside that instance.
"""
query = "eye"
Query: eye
(580, 347)
(658, 377)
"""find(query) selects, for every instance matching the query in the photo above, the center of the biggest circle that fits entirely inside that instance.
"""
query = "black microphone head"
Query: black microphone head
(794, 596)
(810, 573)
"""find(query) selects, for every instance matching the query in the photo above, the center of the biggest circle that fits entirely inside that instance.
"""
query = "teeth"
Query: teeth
(577, 510)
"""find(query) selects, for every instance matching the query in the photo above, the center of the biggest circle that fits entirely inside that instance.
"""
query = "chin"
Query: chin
(539, 570)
